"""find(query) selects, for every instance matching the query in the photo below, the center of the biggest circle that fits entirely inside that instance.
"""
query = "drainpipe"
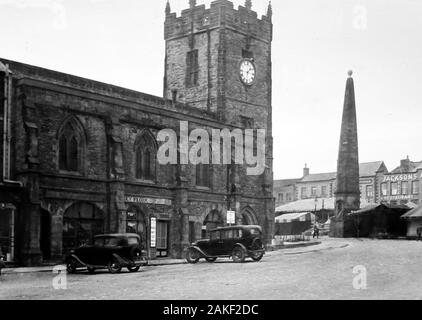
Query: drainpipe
(7, 126)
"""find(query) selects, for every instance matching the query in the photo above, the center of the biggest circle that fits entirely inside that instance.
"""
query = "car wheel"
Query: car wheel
(257, 256)
(91, 270)
(238, 254)
(134, 269)
(71, 265)
(114, 267)
(211, 259)
(192, 255)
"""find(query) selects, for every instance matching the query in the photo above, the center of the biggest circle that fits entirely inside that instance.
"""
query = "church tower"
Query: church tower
(219, 59)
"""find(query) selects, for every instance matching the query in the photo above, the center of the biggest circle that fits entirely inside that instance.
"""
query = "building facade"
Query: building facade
(402, 185)
(323, 185)
(84, 153)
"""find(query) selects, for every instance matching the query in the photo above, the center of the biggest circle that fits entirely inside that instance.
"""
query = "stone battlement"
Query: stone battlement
(221, 12)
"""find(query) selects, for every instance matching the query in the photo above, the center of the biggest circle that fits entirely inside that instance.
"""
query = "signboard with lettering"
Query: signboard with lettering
(231, 217)
(401, 177)
(153, 232)
(135, 199)
(398, 197)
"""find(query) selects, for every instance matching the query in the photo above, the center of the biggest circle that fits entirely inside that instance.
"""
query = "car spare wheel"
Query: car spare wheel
(71, 265)
(114, 267)
(134, 269)
(211, 259)
(192, 255)
(238, 254)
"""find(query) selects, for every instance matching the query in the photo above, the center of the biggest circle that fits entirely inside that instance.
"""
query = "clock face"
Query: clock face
(247, 72)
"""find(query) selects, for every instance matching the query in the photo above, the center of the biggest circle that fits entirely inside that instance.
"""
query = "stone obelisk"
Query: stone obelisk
(347, 195)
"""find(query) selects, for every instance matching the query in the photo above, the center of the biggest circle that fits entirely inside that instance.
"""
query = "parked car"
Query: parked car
(237, 242)
(111, 251)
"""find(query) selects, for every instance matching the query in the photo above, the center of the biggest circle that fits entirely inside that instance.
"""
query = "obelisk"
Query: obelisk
(347, 194)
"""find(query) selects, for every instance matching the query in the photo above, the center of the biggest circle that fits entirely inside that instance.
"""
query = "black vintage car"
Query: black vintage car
(111, 251)
(238, 242)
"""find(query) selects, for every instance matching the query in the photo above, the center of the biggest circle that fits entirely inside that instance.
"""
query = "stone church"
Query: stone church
(79, 157)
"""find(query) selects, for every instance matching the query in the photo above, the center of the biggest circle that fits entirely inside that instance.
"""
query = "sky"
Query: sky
(315, 44)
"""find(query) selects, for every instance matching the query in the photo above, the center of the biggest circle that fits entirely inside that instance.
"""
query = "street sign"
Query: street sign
(231, 217)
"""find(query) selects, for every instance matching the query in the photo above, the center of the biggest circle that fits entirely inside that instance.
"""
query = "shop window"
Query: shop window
(135, 223)
(415, 187)
(384, 189)
(81, 222)
(71, 146)
(404, 187)
(145, 151)
(369, 191)
(394, 188)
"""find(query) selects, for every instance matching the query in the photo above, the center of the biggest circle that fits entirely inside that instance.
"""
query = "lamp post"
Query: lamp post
(315, 217)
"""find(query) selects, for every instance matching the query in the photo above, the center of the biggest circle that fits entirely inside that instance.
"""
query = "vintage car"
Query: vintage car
(237, 242)
(111, 251)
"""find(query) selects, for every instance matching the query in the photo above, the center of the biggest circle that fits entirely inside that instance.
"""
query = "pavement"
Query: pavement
(164, 261)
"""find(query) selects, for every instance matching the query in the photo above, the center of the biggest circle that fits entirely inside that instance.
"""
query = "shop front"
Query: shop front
(151, 219)
(7, 231)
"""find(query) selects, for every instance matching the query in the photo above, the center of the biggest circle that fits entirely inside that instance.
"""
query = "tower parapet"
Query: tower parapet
(198, 18)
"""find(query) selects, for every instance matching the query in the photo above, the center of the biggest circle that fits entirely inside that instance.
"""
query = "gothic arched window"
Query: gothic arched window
(145, 151)
(71, 146)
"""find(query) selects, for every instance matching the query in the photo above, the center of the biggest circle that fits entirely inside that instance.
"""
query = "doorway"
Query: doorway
(45, 234)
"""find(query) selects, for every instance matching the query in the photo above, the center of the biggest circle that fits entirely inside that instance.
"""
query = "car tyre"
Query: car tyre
(72, 265)
(114, 267)
(211, 259)
(238, 254)
(192, 256)
(134, 269)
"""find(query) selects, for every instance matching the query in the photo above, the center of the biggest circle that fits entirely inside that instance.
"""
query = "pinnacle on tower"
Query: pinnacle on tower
(192, 3)
(168, 9)
(269, 11)
(248, 4)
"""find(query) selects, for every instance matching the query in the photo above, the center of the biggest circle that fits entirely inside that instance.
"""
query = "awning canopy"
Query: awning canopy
(414, 213)
(297, 216)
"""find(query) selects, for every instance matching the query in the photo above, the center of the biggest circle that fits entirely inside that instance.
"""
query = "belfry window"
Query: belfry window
(145, 151)
(192, 68)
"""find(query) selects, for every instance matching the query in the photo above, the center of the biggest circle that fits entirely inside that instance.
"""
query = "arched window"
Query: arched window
(146, 151)
(71, 146)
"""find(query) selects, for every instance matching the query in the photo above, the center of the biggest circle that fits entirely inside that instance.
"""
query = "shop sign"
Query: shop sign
(153, 232)
(367, 181)
(231, 217)
(398, 197)
(133, 199)
(401, 177)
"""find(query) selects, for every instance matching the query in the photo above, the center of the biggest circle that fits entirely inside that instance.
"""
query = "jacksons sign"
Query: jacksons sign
(198, 148)
(402, 177)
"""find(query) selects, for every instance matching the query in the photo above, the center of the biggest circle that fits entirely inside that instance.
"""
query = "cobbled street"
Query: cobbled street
(324, 271)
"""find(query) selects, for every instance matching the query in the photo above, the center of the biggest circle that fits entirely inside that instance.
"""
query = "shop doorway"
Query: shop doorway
(45, 234)
(81, 222)
(162, 238)
(136, 223)
(7, 226)
(212, 221)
